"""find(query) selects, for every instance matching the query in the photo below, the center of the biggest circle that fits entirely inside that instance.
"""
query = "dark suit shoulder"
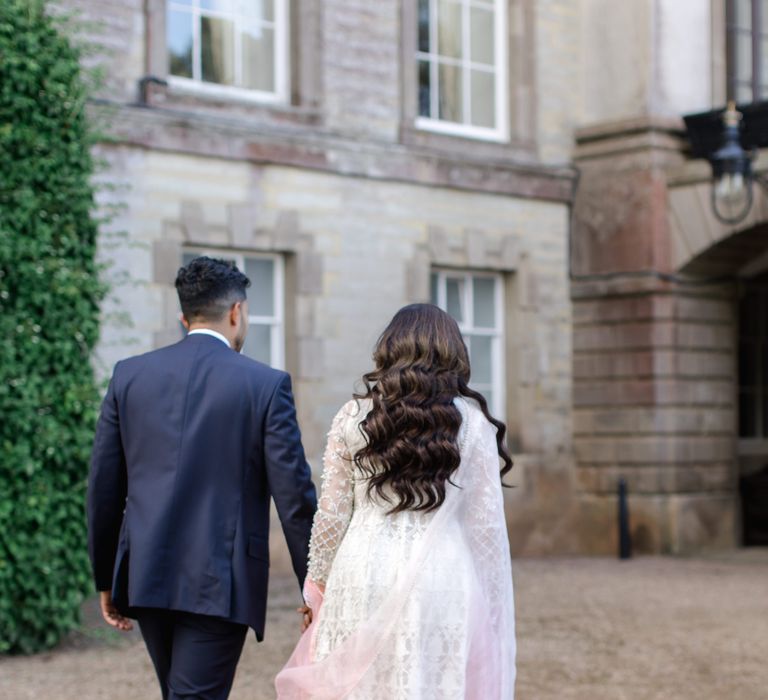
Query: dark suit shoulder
(258, 370)
(137, 362)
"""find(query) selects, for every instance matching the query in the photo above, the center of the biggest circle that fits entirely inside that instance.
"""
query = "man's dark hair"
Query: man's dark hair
(208, 287)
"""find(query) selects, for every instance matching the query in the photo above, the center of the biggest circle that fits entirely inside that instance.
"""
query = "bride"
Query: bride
(409, 589)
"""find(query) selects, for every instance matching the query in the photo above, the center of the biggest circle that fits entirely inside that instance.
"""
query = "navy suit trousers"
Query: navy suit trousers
(195, 656)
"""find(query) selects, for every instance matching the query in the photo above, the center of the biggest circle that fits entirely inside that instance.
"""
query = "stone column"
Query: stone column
(654, 355)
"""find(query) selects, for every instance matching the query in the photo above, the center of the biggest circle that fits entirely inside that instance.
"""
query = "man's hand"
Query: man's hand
(306, 617)
(111, 615)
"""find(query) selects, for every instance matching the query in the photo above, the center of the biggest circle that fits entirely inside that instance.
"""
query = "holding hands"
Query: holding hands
(313, 597)
(306, 617)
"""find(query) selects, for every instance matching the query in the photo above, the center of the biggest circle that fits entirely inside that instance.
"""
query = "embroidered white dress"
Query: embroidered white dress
(417, 606)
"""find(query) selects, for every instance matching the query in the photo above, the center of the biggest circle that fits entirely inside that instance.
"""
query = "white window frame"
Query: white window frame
(281, 58)
(501, 51)
(277, 321)
(467, 327)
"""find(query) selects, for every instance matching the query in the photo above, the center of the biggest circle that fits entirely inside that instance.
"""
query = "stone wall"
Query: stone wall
(654, 353)
(625, 368)
(361, 249)
(654, 403)
(649, 58)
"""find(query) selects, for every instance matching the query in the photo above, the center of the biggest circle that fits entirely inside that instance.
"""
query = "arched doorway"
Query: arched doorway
(753, 408)
(743, 258)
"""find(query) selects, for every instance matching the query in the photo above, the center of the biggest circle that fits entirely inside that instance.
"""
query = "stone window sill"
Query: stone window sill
(229, 103)
(467, 146)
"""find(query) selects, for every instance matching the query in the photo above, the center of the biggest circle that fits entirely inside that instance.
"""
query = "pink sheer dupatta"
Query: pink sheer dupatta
(490, 660)
(331, 678)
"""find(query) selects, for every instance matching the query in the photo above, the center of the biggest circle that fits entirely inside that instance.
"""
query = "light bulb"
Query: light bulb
(732, 197)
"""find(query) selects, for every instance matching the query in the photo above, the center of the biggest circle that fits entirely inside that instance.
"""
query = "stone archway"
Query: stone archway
(753, 408)
(655, 285)
(743, 257)
(740, 255)
(655, 343)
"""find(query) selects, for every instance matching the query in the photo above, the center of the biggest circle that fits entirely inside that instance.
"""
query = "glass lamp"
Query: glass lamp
(731, 172)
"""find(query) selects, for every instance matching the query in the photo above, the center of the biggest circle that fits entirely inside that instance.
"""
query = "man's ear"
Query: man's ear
(234, 313)
(184, 321)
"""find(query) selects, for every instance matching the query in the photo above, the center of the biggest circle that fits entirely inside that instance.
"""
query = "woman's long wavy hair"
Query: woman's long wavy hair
(411, 432)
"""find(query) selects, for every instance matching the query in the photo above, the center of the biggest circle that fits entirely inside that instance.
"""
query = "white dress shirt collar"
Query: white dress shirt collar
(208, 331)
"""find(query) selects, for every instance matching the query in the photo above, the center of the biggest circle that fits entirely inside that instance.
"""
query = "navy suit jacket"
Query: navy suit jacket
(192, 441)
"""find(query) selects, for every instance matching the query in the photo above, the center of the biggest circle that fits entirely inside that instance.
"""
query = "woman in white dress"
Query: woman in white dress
(410, 580)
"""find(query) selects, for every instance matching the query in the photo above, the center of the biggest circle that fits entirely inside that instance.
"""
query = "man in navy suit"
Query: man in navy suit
(192, 441)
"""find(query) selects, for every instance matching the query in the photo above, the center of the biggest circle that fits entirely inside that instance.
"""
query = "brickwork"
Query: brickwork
(115, 33)
(558, 77)
(624, 368)
(654, 361)
(361, 72)
(361, 250)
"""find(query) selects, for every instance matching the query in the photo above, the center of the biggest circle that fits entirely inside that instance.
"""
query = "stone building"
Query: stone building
(522, 163)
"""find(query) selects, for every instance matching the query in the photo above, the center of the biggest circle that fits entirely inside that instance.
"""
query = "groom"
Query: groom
(192, 441)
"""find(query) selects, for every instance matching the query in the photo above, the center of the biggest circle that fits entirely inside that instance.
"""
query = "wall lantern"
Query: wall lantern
(729, 139)
(731, 172)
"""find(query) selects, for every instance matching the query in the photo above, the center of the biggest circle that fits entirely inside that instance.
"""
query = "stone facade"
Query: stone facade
(617, 363)
(655, 291)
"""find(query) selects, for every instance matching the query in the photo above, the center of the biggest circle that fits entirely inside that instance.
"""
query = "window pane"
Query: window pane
(261, 293)
(217, 46)
(743, 93)
(258, 58)
(744, 57)
(764, 59)
(449, 24)
(217, 5)
(481, 358)
(255, 9)
(455, 298)
(482, 37)
(424, 91)
(743, 12)
(451, 94)
(483, 91)
(258, 343)
(423, 39)
(179, 37)
(487, 392)
(433, 292)
(484, 302)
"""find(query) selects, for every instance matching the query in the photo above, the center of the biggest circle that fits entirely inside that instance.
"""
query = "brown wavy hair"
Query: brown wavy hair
(411, 432)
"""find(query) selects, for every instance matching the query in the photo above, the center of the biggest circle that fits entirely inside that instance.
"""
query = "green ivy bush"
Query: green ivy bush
(49, 323)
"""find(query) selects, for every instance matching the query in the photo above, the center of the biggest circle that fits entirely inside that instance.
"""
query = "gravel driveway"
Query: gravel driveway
(588, 629)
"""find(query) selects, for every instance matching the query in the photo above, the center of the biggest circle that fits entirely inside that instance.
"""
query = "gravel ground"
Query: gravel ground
(588, 629)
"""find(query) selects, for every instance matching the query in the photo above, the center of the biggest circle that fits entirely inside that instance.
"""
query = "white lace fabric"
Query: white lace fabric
(337, 499)
(417, 606)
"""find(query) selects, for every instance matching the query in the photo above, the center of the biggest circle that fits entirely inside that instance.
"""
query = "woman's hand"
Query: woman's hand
(313, 599)
(306, 617)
